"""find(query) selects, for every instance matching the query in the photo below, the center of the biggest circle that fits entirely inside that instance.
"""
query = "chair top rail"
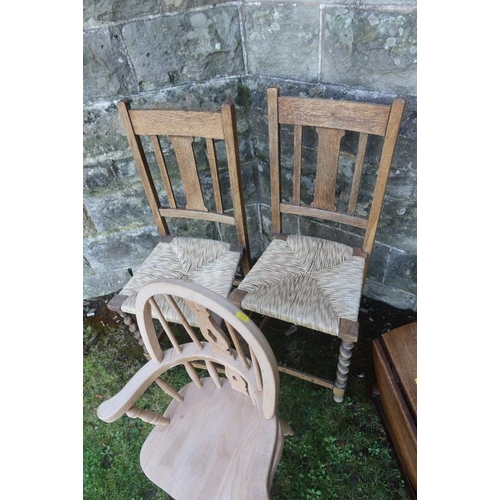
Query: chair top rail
(179, 123)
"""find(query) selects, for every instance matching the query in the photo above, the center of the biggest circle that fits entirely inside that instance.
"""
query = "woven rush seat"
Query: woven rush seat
(211, 264)
(306, 281)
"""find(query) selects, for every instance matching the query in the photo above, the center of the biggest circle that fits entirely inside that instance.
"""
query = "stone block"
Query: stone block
(89, 228)
(182, 5)
(193, 46)
(101, 12)
(99, 176)
(401, 271)
(106, 72)
(103, 135)
(392, 296)
(106, 283)
(120, 250)
(114, 210)
(282, 40)
(374, 50)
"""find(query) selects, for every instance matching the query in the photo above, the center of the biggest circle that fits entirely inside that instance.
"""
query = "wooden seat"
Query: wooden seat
(209, 263)
(220, 436)
(312, 281)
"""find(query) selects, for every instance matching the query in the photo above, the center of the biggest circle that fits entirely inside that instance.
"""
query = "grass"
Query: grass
(337, 451)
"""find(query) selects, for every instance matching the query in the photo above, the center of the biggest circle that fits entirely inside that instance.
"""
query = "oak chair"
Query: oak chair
(210, 263)
(220, 436)
(309, 281)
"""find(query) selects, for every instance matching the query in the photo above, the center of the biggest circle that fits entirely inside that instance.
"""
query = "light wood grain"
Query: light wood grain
(225, 438)
(163, 170)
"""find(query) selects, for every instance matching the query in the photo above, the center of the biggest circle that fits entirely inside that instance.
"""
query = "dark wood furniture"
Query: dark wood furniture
(395, 360)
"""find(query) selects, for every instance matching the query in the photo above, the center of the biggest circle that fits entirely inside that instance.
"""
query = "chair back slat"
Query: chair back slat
(337, 123)
(237, 344)
(183, 147)
(160, 159)
(342, 115)
(174, 122)
(358, 169)
(214, 172)
(297, 162)
(181, 128)
(168, 389)
(214, 374)
(183, 321)
(327, 167)
(152, 342)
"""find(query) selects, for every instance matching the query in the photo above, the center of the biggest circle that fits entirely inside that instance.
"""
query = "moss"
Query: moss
(243, 97)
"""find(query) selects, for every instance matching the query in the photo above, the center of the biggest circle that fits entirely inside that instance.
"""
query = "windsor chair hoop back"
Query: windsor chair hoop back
(220, 436)
(212, 263)
(310, 281)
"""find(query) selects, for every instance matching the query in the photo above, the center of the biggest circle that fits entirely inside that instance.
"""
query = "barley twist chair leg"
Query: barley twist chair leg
(342, 371)
(128, 319)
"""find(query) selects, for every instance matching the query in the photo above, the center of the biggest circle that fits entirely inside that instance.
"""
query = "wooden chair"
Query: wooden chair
(210, 263)
(309, 281)
(220, 437)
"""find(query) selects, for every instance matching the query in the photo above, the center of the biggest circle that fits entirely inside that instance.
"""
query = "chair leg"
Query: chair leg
(342, 371)
(128, 319)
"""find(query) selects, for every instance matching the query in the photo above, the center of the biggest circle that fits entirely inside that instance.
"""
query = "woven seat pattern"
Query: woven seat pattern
(207, 263)
(306, 281)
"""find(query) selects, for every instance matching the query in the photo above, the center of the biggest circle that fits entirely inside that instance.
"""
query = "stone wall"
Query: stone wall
(196, 54)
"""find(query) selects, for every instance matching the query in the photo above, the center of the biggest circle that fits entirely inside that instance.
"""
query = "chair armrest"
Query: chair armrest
(112, 409)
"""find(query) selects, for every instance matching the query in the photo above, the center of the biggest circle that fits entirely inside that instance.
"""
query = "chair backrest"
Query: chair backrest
(227, 333)
(333, 119)
(181, 127)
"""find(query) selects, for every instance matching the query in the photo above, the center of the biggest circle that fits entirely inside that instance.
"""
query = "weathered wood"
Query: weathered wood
(228, 114)
(183, 147)
(348, 330)
(358, 169)
(355, 221)
(176, 122)
(327, 113)
(274, 157)
(160, 159)
(142, 164)
(306, 376)
(182, 213)
(297, 162)
(393, 125)
(327, 168)
(214, 172)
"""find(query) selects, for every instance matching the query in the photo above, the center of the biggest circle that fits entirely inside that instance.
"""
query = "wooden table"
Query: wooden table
(395, 360)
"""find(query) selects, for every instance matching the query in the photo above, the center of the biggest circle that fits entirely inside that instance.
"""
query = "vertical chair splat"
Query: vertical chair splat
(297, 162)
(214, 171)
(163, 170)
(358, 169)
(183, 147)
(328, 164)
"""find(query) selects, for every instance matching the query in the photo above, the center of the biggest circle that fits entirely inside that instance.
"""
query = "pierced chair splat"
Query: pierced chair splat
(220, 436)
(309, 281)
(212, 263)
